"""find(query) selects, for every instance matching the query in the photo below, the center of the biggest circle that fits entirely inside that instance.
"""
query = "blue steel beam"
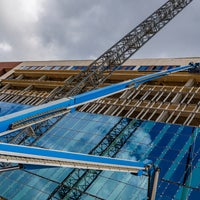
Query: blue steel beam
(8, 120)
(75, 101)
(40, 156)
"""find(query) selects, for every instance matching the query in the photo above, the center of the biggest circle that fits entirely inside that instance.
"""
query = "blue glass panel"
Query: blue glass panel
(187, 130)
(196, 159)
(156, 151)
(171, 190)
(162, 185)
(163, 197)
(127, 68)
(94, 188)
(164, 166)
(156, 129)
(170, 67)
(8, 108)
(197, 145)
(131, 192)
(74, 67)
(171, 155)
(165, 139)
(120, 176)
(173, 128)
(157, 68)
(108, 187)
(133, 67)
(142, 68)
(180, 142)
(48, 67)
(194, 195)
(178, 174)
(80, 132)
(184, 159)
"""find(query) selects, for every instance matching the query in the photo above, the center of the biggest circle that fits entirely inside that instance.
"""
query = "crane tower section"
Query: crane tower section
(100, 69)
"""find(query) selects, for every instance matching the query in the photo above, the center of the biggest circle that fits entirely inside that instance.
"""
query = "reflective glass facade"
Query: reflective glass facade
(174, 148)
(123, 67)
(8, 108)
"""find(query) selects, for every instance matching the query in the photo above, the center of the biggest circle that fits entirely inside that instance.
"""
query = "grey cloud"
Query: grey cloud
(68, 29)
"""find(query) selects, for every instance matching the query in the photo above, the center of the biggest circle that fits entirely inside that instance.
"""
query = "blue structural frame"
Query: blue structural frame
(72, 102)
(14, 153)
(47, 154)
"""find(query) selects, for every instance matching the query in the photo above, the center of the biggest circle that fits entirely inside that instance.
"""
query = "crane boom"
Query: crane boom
(39, 156)
(96, 73)
(100, 69)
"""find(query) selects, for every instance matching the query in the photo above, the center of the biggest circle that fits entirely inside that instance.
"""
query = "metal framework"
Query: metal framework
(100, 69)
(109, 146)
(55, 108)
(27, 136)
(97, 72)
(171, 104)
(40, 156)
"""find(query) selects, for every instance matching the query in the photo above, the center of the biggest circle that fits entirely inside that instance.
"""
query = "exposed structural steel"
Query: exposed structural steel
(100, 69)
(109, 146)
(39, 156)
(27, 156)
(36, 114)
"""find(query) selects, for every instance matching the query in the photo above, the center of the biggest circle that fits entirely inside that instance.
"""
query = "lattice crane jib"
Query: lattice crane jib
(97, 72)
(100, 69)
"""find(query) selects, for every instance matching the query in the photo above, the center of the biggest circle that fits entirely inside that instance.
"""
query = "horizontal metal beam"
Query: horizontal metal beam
(39, 156)
(5, 169)
(75, 101)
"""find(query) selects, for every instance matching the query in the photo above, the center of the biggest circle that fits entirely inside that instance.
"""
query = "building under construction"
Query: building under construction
(166, 111)
(171, 99)
(116, 124)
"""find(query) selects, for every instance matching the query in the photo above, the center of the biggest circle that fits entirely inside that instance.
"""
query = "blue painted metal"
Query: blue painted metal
(74, 101)
(7, 120)
(71, 103)
(46, 154)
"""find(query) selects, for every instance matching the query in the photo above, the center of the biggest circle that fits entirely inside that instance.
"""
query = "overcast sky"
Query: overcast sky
(84, 29)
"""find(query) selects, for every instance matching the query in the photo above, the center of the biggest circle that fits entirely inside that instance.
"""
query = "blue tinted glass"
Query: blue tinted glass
(173, 128)
(171, 190)
(180, 142)
(196, 159)
(197, 144)
(165, 139)
(178, 174)
(194, 195)
(142, 68)
(171, 155)
(167, 145)
(164, 166)
(157, 128)
(156, 151)
(8, 108)
(187, 130)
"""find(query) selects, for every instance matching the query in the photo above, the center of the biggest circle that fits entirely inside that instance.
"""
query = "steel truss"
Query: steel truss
(100, 69)
(79, 180)
(28, 137)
